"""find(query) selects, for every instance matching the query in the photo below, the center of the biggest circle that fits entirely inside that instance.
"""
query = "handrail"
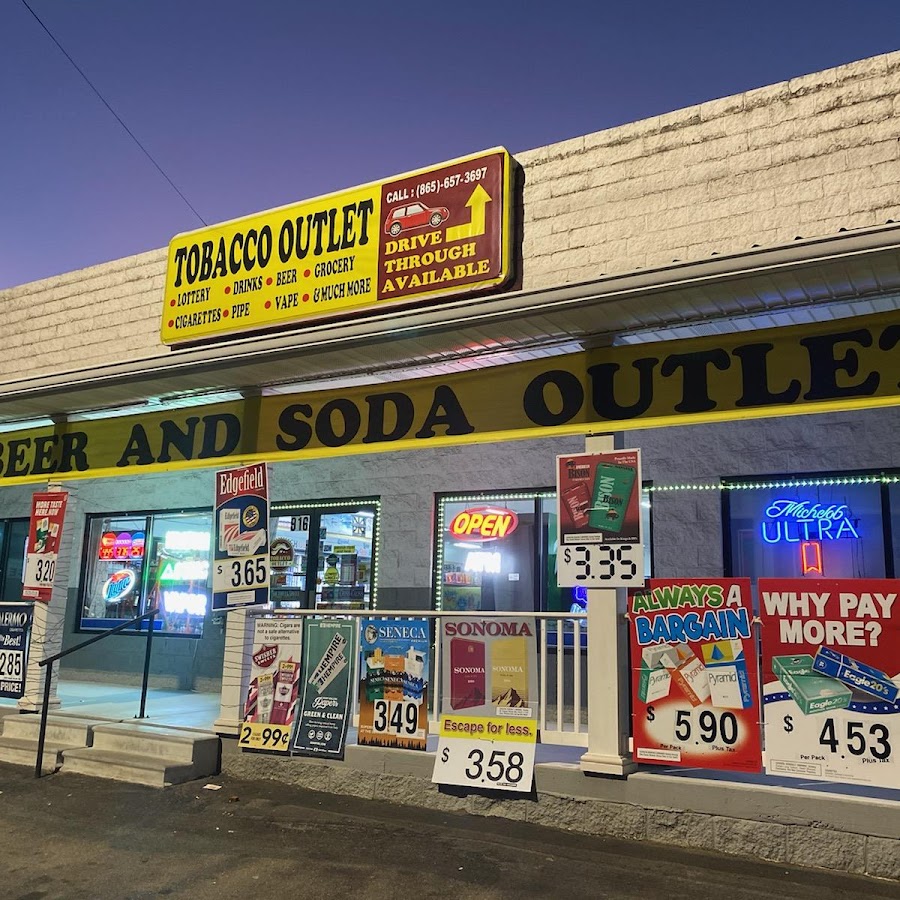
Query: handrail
(48, 676)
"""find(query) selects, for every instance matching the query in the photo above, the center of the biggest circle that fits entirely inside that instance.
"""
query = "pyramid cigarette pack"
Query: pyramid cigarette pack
(688, 673)
(726, 670)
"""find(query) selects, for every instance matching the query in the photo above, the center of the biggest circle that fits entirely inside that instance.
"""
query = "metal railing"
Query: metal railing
(561, 645)
(48, 676)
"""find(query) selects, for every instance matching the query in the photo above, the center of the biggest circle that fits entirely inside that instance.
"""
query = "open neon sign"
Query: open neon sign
(793, 521)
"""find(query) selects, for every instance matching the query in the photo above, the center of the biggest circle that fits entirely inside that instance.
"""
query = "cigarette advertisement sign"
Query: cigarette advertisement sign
(695, 695)
(325, 692)
(274, 684)
(831, 678)
(48, 511)
(393, 683)
(432, 233)
(488, 704)
(241, 558)
(599, 516)
(15, 625)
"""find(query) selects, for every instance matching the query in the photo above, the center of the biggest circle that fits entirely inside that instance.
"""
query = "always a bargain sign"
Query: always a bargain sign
(435, 232)
(853, 363)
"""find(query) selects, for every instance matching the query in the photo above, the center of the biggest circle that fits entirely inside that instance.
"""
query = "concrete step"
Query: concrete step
(146, 754)
(131, 767)
(67, 731)
(174, 745)
(23, 752)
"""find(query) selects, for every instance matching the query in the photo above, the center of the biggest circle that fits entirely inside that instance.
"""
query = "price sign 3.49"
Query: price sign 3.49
(397, 717)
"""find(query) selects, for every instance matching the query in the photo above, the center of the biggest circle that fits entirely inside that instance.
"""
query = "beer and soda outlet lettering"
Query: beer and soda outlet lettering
(823, 366)
(436, 232)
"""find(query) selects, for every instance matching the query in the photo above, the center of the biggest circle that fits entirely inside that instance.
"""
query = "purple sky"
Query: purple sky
(250, 105)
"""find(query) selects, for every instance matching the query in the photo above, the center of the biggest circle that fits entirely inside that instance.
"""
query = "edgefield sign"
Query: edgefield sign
(825, 366)
(431, 233)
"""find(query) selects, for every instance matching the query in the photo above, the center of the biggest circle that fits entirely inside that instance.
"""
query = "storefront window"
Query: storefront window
(136, 561)
(498, 552)
(816, 527)
(13, 544)
(324, 554)
(893, 491)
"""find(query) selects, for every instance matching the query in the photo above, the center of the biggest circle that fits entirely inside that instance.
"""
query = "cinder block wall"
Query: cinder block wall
(802, 158)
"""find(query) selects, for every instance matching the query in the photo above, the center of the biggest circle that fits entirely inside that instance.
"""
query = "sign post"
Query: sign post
(607, 650)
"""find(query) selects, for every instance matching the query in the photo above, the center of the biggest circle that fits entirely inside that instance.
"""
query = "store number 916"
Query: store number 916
(603, 565)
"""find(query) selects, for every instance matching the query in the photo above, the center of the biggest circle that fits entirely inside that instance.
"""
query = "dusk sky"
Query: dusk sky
(252, 104)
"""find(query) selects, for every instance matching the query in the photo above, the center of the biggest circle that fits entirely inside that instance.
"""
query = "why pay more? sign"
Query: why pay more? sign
(831, 678)
(432, 233)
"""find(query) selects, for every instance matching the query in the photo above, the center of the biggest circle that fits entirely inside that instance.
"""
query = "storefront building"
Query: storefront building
(718, 285)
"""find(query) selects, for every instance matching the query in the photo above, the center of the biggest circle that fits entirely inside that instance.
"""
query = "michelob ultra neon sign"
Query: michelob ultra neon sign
(792, 521)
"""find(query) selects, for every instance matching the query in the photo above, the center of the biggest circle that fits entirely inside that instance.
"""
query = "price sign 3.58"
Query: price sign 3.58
(486, 752)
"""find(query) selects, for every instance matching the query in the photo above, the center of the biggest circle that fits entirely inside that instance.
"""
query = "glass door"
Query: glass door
(323, 556)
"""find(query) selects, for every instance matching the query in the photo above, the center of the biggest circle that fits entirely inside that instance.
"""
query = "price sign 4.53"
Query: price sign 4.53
(838, 745)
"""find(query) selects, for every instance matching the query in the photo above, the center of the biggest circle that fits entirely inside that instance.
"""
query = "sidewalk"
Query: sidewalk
(77, 837)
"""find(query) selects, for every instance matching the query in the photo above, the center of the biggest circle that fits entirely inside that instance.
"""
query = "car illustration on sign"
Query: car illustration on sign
(414, 215)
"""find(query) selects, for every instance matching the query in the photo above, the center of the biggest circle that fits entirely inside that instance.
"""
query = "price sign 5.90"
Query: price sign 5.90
(601, 565)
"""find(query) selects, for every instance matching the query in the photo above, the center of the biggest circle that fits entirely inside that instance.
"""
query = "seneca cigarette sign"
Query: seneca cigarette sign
(432, 233)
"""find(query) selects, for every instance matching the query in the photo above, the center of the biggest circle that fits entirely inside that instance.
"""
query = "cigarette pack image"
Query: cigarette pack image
(655, 679)
(509, 672)
(811, 692)
(654, 684)
(729, 680)
(613, 486)
(856, 675)
(688, 673)
(577, 499)
(374, 676)
(413, 676)
(467, 673)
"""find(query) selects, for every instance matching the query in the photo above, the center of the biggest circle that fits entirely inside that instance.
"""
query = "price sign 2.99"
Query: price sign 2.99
(262, 736)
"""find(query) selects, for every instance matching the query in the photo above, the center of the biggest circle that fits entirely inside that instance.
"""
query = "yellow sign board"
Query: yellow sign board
(436, 232)
(844, 364)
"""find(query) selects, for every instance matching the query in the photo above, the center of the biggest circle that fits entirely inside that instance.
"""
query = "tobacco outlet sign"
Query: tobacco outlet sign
(435, 232)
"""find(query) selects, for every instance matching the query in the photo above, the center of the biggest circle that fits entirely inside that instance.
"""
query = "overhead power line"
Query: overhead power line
(118, 118)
